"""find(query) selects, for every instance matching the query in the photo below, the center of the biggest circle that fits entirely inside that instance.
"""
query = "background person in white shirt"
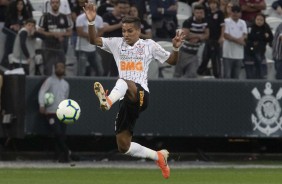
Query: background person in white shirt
(235, 33)
(132, 56)
(85, 51)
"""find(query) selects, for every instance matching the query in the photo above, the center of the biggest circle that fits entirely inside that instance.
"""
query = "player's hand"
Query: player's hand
(178, 39)
(90, 11)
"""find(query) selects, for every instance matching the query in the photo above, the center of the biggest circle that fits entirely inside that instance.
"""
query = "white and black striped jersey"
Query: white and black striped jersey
(133, 61)
(54, 23)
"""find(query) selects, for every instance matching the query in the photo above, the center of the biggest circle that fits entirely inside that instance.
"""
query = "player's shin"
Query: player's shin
(118, 91)
(137, 150)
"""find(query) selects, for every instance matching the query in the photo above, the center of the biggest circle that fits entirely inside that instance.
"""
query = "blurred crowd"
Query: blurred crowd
(223, 37)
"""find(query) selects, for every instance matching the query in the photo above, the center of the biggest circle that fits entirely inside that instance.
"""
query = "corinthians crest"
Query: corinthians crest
(267, 119)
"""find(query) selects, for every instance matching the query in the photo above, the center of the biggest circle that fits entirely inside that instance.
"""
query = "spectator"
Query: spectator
(228, 10)
(146, 32)
(163, 18)
(86, 52)
(64, 7)
(250, 8)
(142, 10)
(24, 48)
(3, 8)
(277, 51)
(76, 10)
(106, 7)
(112, 28)
(57, 85)
(212, 50)
(29, 8)
(15, 17)
(57, 27)
(235, 33)
(222, 5)
(258, 38)
(197, 31)
(66, 10)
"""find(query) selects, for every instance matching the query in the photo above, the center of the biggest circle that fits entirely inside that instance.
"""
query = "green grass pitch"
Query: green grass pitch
(139, 176)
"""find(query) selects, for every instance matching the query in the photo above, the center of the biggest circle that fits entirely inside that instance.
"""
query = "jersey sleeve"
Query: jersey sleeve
(159, 53)
(111, 44)
(42, 22)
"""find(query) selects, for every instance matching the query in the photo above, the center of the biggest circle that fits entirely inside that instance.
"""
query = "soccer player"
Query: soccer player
(132, 56)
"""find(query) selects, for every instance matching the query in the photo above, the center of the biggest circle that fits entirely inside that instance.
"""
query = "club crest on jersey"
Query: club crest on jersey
(62, 21)
(139, 49)
(267, 119)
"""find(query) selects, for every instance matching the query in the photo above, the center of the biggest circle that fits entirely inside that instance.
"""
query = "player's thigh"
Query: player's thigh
(131, 92)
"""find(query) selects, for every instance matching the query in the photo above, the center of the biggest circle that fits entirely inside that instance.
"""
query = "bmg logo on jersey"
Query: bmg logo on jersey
(131, 66)
(268, 118)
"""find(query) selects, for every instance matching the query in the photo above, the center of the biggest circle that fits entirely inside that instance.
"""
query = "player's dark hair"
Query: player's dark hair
(132, 20)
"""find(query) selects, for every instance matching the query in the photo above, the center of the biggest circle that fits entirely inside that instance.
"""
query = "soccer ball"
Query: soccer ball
(49, 98)
(68, 111)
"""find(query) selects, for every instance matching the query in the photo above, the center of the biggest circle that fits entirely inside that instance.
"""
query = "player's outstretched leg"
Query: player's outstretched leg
(162, 163)
(105, 102)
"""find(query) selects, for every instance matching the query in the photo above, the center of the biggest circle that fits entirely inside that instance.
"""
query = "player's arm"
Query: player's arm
(172, 60)
(93, 36)
(90, 12)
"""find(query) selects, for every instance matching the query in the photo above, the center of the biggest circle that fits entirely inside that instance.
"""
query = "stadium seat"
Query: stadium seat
(181, 19)
(184, 11)
(37, 5)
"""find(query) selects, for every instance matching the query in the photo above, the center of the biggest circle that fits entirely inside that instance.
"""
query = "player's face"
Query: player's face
(130, 33)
